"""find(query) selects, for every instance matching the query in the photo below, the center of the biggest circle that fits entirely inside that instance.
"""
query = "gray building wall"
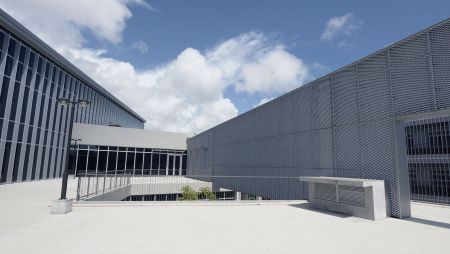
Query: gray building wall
(33, 128)
(128, 137)
(348, 123)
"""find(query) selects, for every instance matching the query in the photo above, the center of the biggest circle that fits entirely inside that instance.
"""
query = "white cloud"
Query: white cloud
(185, 94)
(141, 46)
(62, 22)
(263, 101)
(345, 24)
(254, 64)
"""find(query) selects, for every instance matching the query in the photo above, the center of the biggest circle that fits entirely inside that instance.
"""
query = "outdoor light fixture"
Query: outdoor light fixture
(63, 102)
(83, 103)
(71, 104)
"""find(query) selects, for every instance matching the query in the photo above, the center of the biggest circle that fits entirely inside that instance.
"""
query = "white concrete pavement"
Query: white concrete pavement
(266, 227)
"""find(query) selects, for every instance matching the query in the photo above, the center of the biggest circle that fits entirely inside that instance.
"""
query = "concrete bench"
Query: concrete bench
(363, 198)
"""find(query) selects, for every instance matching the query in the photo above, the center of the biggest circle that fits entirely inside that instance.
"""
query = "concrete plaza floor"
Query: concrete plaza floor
(237, 227)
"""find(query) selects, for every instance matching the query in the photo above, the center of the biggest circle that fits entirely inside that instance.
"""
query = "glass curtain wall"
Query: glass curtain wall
(33, 128)
(91, 159)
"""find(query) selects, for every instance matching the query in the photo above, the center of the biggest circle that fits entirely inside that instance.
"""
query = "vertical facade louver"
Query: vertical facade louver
(33, 127)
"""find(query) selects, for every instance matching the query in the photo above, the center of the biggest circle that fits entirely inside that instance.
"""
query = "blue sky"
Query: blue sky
(159, 39)
(176, 25)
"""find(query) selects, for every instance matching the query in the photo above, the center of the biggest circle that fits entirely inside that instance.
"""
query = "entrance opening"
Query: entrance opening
(428, 157)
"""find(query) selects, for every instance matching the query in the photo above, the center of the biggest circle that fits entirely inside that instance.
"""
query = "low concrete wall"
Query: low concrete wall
(363, 198)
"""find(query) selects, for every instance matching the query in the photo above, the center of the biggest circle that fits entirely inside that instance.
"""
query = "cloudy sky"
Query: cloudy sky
(189, 65)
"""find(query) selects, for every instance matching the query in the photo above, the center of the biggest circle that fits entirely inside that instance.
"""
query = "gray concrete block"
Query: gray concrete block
(61, 206)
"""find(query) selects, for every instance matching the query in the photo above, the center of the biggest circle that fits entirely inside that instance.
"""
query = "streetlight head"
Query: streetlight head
(63, 102)
(83, 103)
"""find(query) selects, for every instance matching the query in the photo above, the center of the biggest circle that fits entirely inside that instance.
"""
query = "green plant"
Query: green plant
(207, 193)
(187, 193)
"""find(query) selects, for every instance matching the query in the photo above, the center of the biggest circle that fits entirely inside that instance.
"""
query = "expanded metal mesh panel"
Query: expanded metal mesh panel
(321, 104)
(302, 109)
(345, 96)
(351, 195)
(399, 81)
(322, 148)
(303, 151)
(440, 50)
(287, 151)
(347, 148)
(379, 156)
(261, 153)
(286, 120)
(274, 153)
(273, 119)
(260, 122)
(411, 76)
(374, 89)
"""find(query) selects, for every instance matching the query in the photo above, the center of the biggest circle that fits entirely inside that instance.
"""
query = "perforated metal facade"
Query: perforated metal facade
(33, 128)
(349, 123)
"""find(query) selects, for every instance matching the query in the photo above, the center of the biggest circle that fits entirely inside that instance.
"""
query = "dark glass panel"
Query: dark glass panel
(24, 104)
(163, 161)
(121, 162)
(4, 169)
(3, 95)
(147, 160)
(8, 66)
(155, 161)
(14, 101)
(184, 162)
(102, 160)
(92, 160)
(22, 53)
(25, 164)
(11, 47)
(138, 163)
(82, 160)
(130, 161)
(112, 157)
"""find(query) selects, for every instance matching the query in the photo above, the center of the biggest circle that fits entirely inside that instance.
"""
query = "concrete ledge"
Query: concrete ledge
(61, 206)
(363, 198)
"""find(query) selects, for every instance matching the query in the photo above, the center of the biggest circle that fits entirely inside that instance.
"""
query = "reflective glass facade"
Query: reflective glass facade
(33, 128)
(92, 159)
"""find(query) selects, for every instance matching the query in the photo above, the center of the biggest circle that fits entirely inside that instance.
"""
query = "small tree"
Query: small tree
(187, 193)
(207, 193)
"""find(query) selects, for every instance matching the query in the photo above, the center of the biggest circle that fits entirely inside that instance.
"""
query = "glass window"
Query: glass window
(102, 160)
(184, 162)
(138, 163)
(163, 161)
(147, 160)
(11, 47)
(82, 161)
(14, 101)
(155, 161)
(112, 157)
(24, 104)
(25, 164)
(3, 95)
(22, 53)
(4, 168)
(121, 162)
(130, 160)
(8, 66)
(92, 160)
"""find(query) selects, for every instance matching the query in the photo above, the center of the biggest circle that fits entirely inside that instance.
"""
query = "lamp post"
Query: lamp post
(71, 104)
(75, 143)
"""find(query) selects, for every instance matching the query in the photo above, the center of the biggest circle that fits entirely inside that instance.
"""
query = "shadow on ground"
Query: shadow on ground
(429, 222)
(306, 206)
